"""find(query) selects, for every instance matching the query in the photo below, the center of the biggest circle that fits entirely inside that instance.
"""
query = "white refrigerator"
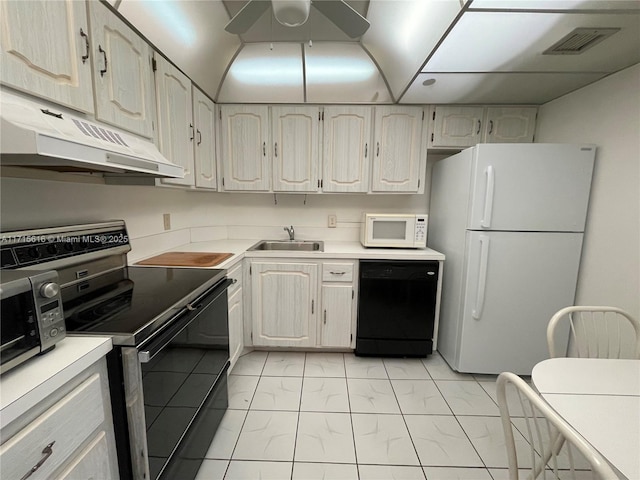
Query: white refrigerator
(510, 219)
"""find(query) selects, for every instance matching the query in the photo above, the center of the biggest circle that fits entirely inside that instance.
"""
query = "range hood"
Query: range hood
(37, 135)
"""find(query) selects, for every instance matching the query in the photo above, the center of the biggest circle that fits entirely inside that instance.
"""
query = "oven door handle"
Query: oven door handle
(181, 321)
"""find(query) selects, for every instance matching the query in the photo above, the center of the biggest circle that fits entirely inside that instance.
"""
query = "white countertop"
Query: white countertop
(24, 386)
(332, 249)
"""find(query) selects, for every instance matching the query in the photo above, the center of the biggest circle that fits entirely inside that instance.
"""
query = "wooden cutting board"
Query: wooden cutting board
(186, 259)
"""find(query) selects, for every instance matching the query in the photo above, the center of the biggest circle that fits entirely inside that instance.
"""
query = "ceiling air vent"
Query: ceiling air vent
(579, 41)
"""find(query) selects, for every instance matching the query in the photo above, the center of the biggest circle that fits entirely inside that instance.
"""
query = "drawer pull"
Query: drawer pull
(47, 451)
(337, 273)
(234, 280)
(325, 317)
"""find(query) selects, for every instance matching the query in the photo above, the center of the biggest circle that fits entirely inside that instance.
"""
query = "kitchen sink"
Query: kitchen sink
(296, 245)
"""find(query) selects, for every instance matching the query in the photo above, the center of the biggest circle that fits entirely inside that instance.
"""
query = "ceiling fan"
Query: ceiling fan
(293, 13)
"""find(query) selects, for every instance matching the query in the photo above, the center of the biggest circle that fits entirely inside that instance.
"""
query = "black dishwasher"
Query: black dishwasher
(396, 308)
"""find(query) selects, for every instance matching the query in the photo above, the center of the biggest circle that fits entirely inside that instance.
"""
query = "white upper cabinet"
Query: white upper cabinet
(347, 149)
(51, 58)
(204, 116)
(295, 133)
(461, 127)
(244, 137)
(398, 163)
(175, 119)
(456, 126)
(510, 125)
(123, 78)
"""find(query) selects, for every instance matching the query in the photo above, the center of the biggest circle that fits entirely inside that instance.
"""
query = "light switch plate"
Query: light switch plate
(333, 221)
(166, 218)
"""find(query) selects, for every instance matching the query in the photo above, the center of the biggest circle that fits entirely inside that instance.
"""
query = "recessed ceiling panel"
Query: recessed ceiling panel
(191, 34)
(557, 4)
(261, 74)
(342, 73)
(495, 88)
(512, 42)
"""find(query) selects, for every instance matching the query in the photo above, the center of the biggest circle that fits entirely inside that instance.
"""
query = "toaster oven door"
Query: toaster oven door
(18, 330)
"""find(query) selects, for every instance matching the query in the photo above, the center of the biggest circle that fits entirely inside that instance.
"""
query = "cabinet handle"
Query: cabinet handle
(47, 451)
(104, 55)
(312, 306)
(479, 125)
(490, 126)
(377, 149)
(191, 127)
(325, 317)
(199, 137)
(264, 149)
(366, 148)
(337, 273)
(85, 57)
(276, 149)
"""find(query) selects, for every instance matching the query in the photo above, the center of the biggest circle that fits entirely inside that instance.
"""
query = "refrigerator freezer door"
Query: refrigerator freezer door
(531, 187)
(515, 282)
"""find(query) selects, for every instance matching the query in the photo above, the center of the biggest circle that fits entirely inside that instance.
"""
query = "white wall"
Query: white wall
(607, 114)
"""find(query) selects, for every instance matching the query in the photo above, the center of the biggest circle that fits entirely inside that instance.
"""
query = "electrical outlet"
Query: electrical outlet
(333, 221)
(166, 218)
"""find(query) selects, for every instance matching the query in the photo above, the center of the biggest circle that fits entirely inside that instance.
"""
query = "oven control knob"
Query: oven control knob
(49, 290)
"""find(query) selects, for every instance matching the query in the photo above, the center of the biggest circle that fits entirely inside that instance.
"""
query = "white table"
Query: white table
(600, 398)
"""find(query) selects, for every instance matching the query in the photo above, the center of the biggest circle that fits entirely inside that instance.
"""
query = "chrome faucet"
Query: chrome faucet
(291, 232)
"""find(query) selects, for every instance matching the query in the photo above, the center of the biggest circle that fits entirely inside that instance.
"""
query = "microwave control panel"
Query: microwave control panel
(421, 230)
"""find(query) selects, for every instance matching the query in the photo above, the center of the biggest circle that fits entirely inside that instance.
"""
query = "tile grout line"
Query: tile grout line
(295, 440)
(353, 430)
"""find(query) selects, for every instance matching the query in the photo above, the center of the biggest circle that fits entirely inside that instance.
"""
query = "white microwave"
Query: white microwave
(394, 230)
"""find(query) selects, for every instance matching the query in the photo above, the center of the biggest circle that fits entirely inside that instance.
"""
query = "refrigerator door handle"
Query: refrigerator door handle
(488, 198)
(476, 313)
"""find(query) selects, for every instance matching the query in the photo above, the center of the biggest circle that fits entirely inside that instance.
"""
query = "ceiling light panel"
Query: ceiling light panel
(262, 74)
(494, 88)
(574, 5)
(342, 73)
(511, 42)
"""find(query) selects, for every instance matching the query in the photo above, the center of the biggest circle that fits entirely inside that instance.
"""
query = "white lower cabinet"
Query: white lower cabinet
(302, 304)
(284, 303)
(236, 314)
(68, 435)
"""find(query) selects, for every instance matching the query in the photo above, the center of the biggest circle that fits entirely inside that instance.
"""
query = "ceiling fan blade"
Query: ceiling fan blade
(345, 17)
(246, 17)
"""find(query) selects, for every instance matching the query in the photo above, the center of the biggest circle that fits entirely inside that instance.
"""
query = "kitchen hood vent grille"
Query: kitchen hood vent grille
(580, 40)
(99, 133)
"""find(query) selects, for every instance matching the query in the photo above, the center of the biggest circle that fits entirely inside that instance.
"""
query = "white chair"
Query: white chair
(595, 332)
(554, 447)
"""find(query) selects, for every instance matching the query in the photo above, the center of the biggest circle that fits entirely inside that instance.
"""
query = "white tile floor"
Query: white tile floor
(306, 416)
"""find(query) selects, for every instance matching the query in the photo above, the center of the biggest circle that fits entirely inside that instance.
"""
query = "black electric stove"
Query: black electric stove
(131, 303)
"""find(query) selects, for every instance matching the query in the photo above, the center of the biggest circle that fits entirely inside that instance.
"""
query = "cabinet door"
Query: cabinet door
(336, 319)
(175, 119)
(283, 298)
(296, 160)
(236, 327)
(244, 133)
(122, 75)
(204, 114)
(49, 59)
(347, 149)
(510, 125)
(92, 462)
(398, 149)
(456, 126)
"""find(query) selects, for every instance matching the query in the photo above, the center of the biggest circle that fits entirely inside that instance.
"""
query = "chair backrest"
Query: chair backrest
(595, 332)
(554, 449)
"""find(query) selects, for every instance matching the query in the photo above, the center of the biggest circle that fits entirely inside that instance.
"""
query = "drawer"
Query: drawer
(337, 272)
(65, 426)
(234, 274)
